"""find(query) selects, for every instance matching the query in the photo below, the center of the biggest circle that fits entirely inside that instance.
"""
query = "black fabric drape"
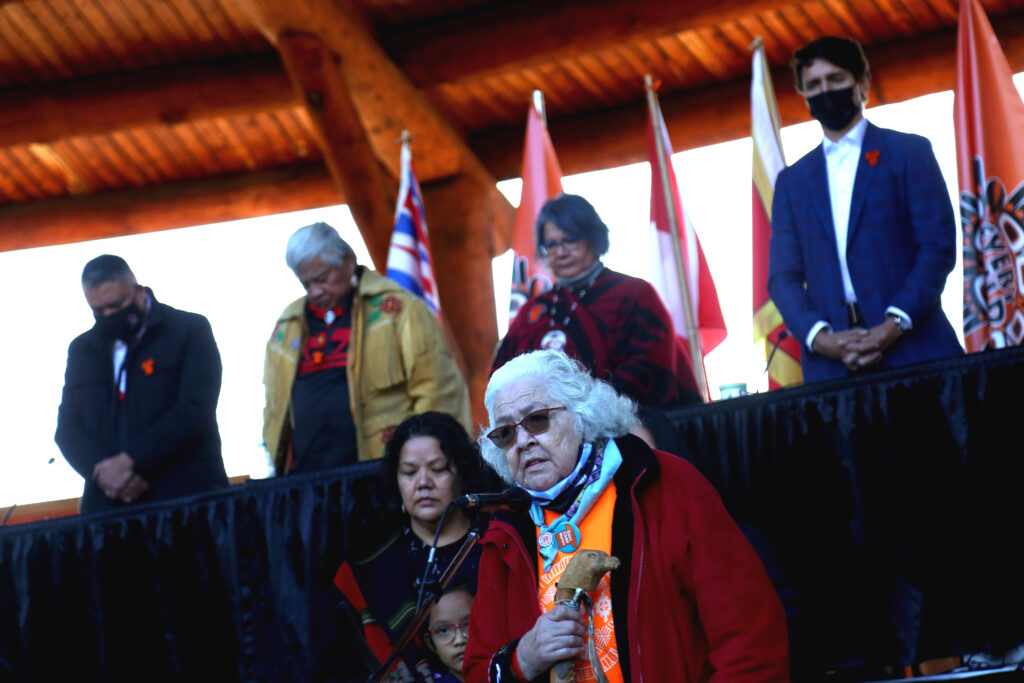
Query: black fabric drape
(885, 507)
(228, 586)
(888, 503)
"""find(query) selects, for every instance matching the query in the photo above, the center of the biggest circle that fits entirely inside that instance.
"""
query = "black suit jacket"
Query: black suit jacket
(167, 420)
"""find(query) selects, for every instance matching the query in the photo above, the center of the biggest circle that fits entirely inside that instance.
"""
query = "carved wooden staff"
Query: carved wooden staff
(582, 575)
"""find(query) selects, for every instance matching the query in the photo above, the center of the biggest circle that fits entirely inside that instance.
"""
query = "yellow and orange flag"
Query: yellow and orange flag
(781, 351)
(989, 116)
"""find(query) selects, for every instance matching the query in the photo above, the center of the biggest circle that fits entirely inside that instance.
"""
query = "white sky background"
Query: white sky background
(235, 275)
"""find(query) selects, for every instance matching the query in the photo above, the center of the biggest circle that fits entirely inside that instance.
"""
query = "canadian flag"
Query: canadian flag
(679, 271)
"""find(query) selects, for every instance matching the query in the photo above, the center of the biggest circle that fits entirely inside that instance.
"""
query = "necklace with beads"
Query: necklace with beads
(573, 306)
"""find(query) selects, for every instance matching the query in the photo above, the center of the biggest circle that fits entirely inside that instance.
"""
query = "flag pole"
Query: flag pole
(693, 334)
(538, 104)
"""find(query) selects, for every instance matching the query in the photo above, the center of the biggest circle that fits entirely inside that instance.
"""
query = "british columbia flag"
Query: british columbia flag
(409, 262)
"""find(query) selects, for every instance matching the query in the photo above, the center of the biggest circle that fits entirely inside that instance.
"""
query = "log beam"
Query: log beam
(384, 99)
(719, 113)
(585, 142)
(145, 97)
(701, 116)
(165, 207)
(370, 191)
(514, 36)
(459, 216)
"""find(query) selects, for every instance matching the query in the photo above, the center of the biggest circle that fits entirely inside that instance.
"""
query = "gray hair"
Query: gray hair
(599, 410)
(318, 240)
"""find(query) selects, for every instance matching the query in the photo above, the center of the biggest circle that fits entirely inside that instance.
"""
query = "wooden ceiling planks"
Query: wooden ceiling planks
(34, 178)
(849, 18)
(824, 19)
(27, 59)
(61, 39)
(946, 10)
(896, 13)
(414, 11)
(476, 61)
(924, 16)
(10, 191)
(107, 25)
(150, 165)
(149, 155)
(659, 64)
(298, 132)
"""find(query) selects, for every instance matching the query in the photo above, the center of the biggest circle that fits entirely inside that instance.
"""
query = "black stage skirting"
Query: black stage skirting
(885, 507)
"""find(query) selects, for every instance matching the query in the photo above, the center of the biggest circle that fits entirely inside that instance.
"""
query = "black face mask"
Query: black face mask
(123, 325)
(834, 109)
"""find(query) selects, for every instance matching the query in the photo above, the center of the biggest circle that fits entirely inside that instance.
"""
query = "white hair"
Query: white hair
(318, 240)
(600, 412)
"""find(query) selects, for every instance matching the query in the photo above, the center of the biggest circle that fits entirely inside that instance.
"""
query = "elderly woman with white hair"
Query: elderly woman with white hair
(348, 362)
(691, 601)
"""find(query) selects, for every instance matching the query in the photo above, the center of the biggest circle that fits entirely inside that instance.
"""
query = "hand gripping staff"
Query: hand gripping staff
(583, 574)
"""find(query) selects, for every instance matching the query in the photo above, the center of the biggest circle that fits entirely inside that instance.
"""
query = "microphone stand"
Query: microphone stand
(775, 347)
(431, 593)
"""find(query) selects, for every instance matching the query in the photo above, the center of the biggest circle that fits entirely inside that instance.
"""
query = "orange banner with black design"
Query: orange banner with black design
(781, 350)
(989, 117)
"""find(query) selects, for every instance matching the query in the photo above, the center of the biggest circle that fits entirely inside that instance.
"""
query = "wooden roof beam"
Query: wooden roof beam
(713, 114)
(164, 207)
(146, 97)
(384, 99)
(349, 156)
(513, 36)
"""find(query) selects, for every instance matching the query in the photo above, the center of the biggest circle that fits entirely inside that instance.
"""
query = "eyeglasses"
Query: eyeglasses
(551, 245)
(445, 633)
(536, 422)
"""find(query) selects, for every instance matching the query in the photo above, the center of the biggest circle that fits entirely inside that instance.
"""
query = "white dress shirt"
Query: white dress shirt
(121, 350)
(842, 158)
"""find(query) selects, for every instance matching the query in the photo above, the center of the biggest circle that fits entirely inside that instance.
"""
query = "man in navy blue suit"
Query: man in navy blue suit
(863, 232)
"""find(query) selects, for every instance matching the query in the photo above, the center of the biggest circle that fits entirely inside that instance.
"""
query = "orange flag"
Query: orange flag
(542, 180)
(989, 118)
(781, 351)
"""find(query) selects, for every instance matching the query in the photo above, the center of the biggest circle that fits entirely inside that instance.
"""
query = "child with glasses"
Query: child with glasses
(448, 632)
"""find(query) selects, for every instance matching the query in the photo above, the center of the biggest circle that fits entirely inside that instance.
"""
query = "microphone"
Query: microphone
(775, 347)
(513, 499)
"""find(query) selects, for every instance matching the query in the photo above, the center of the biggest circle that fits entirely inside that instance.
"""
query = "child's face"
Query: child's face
(449, 627)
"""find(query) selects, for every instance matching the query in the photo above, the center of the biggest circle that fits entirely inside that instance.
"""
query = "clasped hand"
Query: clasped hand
(116, 477)
(858, 348)
(556, 636)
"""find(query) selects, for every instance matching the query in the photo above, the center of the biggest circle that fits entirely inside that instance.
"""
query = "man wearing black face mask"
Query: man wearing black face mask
(863, 232)
(138, 414)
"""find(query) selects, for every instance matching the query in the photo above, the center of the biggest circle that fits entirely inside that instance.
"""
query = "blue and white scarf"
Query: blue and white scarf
(606, 464)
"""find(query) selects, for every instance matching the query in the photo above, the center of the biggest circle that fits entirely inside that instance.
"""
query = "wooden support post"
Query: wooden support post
(459, 215)
(369, 190)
